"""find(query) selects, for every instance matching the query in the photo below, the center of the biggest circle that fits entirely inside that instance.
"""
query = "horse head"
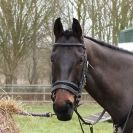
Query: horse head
(68, 65)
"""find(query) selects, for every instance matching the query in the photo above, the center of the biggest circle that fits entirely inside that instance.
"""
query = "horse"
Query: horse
(105, 71)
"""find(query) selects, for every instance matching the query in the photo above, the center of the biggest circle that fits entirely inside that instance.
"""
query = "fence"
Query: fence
(33, 93)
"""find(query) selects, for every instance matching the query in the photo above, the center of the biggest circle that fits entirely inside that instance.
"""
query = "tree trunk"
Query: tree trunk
(10, 79)
(34, 67)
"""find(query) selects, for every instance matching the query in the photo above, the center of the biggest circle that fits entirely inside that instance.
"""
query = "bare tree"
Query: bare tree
(103, 19)
(26, 26)
(20, 20)
(14, 34)
(43, 37)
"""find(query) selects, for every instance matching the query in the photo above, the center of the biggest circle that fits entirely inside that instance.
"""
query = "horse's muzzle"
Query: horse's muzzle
(64, 111)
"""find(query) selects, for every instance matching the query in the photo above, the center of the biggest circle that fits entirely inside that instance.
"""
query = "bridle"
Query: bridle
(124, 123)
(68, 85)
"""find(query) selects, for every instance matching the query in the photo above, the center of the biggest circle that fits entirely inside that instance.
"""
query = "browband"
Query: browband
(69, 45)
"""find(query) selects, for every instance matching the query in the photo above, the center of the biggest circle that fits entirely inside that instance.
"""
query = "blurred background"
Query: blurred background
(26, 36)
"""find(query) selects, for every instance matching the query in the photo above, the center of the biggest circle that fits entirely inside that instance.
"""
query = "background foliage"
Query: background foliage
(26, 33)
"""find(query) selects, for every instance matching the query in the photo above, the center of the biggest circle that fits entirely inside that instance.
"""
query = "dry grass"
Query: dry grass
(8, 108)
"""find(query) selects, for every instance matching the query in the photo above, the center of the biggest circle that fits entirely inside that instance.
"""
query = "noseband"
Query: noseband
(68, 85)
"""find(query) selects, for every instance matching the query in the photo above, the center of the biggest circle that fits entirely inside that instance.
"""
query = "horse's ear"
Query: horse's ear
(77, 30)
(58, 28)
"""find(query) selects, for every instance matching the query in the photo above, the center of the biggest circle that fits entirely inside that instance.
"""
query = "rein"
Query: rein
(47, 114)
(117, 126)
(80, 118)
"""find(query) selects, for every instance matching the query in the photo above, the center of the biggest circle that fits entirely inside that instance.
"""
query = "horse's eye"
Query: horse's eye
(52, 58)
(80, 60)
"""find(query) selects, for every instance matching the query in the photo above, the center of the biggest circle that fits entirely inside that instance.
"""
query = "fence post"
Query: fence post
(12, 91)
(44, 97)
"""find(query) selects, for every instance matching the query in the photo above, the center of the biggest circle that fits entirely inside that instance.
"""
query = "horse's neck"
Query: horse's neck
(106, 82)
(99, 55)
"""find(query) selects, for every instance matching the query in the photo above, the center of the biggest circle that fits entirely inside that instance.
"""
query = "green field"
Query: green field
(52, 125)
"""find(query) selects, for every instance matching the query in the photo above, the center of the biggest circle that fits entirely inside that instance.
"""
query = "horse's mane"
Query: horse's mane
(108, 45)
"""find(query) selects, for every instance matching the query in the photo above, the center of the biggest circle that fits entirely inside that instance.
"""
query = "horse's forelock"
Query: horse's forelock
(69, 33)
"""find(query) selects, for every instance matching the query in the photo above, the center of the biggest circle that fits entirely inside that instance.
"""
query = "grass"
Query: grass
(52, 125)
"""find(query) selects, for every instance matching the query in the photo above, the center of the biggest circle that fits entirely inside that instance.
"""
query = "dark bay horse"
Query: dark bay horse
(107, 72)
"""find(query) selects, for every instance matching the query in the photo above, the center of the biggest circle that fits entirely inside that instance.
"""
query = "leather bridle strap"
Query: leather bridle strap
(80, 118)
(123, 123)
(69, 45)
(69, 86)
(128, 117)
